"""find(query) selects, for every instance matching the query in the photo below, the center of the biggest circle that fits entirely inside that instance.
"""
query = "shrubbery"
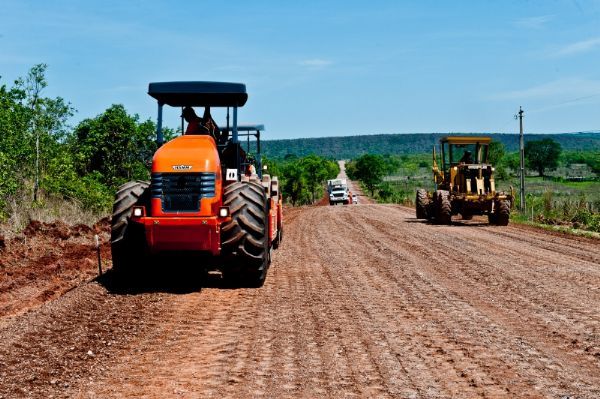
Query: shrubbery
(302, 180)
(42, 158)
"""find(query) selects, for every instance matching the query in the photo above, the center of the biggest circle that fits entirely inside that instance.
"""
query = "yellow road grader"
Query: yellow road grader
(464, 184)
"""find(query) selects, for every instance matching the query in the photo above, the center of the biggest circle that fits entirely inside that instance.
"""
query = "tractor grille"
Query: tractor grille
(181, 192)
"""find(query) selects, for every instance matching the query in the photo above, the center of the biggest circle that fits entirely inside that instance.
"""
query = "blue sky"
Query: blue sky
(324, 68)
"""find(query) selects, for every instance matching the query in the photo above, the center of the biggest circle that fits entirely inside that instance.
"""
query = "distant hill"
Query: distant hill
(349, 147)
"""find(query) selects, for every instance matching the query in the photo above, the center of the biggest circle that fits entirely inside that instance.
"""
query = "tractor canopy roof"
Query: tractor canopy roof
(465, 140)
(245, 128)
(199, 94)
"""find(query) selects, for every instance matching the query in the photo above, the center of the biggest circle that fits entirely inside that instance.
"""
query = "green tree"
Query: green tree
(32, 131)
(496, 151)
(114, 144)
(513, 161)
(392, 164)
(370, 169)
(316, 171)
(542, 154)
(294, 183)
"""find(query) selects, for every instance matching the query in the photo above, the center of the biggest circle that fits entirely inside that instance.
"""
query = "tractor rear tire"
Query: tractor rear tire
(421, 204)
(127, 240)
(502, 213)
(244, 239)
(443, 208)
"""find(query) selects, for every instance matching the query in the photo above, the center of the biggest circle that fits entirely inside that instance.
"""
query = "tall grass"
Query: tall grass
(49, 209)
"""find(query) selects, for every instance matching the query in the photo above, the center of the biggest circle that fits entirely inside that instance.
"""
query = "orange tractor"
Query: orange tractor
(207, 195)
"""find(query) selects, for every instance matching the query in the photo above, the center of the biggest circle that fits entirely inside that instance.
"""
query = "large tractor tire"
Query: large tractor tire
(244, 240)
(443, 208)
(501, 215)
(422, 203)
(127, 240)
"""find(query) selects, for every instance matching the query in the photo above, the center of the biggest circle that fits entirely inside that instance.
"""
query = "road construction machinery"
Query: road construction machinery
(207, 196)
(464, 184)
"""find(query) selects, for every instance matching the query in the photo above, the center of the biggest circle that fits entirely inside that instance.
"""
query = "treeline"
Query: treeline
(41, 157)
(350, 147)
(302, 179)
(541, 157)
(43, 160)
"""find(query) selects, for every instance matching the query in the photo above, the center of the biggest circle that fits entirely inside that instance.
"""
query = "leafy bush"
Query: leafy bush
(302, 179)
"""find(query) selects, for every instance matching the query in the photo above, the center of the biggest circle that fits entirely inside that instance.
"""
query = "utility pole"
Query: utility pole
(522, 156)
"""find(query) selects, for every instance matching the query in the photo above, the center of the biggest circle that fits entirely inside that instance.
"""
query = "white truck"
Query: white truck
(338, 191)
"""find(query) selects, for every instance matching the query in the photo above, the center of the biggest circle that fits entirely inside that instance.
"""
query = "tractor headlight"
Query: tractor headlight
(223, 211)
(138, 211)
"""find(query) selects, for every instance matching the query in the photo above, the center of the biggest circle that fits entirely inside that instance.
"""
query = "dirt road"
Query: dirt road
(353, 186)
(361, 301)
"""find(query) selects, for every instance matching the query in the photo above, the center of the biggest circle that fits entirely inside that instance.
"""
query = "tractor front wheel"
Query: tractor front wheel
(244, 240)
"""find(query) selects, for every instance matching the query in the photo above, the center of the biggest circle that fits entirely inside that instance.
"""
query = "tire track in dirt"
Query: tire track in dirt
(360, 301)
(458, 282)
(47, 351)
(411, 303)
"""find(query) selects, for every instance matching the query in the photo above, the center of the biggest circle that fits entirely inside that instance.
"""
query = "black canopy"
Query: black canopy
(199, 94)
(244, 128)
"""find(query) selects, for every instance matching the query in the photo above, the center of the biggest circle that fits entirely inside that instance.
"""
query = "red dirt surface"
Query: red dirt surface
(360, 301)
(47, 260)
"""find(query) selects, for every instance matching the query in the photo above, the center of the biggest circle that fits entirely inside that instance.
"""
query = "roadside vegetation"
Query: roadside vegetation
(50, 170)
(562, 187)
(302, 179)
(352, 147)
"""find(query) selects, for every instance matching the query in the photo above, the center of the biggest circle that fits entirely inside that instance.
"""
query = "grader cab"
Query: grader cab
(465, 184)
(202, 198)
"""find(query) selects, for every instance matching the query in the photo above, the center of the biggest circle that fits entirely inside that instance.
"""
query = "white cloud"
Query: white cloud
(534, 22)
(316, 63)
(562, 88)
(578, 47)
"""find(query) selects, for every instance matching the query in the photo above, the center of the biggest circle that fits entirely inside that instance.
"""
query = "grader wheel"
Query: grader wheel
(422, 204)
(501, 215)
(465, 215)
(443, 208)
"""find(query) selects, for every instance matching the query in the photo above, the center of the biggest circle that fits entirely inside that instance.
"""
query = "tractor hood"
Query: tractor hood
(187, 154)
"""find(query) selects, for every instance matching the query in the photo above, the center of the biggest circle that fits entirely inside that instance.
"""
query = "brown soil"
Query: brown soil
(361, 301)
(47, 260)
